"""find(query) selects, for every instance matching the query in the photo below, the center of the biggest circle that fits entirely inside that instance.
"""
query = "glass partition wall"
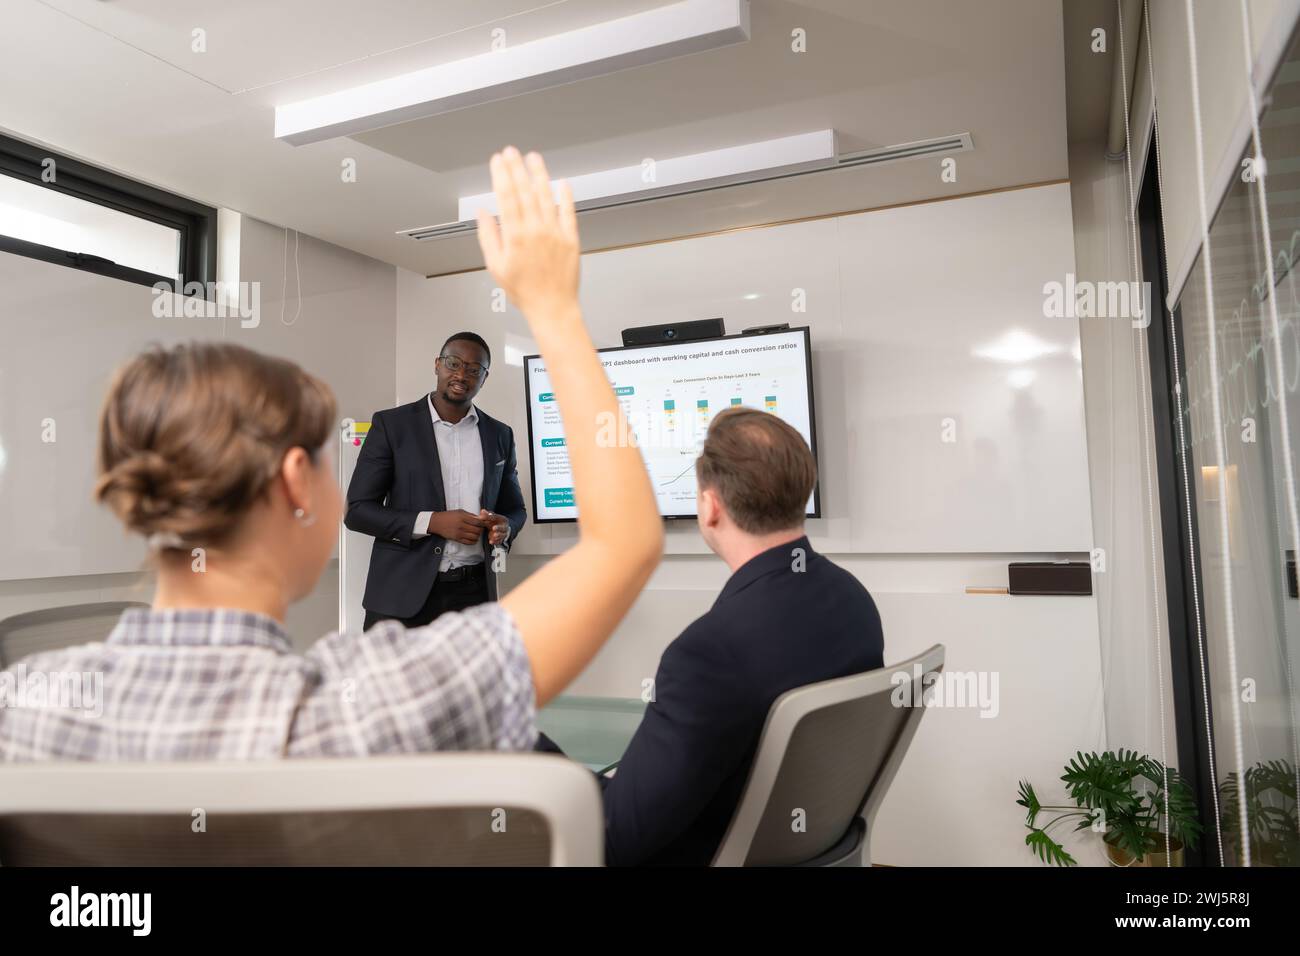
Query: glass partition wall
(1229, 487)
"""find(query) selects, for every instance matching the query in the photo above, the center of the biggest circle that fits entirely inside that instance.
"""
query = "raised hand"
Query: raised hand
(533, 252)
(567, 608)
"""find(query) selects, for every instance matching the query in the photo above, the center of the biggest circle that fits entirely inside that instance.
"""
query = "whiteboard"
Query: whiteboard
(354, 547)
(949, 407)
(81, 326)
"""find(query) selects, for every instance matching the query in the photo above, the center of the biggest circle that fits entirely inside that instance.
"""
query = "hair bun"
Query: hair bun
(140, 489)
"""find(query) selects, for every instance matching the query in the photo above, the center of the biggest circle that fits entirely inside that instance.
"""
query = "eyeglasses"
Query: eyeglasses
(454, 364)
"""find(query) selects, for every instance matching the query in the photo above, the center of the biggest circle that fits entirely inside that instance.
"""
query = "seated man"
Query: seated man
(787, 617)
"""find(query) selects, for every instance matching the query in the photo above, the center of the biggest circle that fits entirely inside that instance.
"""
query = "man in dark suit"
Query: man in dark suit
(437, 487)
(787, 617)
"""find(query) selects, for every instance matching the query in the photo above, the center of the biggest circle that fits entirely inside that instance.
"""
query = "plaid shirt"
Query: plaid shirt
(224, 684)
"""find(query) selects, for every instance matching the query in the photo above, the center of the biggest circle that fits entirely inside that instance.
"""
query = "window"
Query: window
(67, 212)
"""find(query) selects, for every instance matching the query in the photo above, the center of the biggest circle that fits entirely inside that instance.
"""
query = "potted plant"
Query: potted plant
(1271, 822)
(1130, 798)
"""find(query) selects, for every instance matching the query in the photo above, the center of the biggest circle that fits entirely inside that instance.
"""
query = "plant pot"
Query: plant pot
(1120, 857)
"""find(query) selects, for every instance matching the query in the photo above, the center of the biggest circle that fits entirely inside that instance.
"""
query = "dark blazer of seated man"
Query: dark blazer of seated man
(437, 487)
(787, 617)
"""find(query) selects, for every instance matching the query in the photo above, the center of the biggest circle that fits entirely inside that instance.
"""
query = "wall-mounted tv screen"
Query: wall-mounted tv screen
(669, 393)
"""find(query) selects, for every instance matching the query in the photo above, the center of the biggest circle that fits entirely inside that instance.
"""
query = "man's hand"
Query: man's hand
(457, 526)
(498, 527)
(533, 253)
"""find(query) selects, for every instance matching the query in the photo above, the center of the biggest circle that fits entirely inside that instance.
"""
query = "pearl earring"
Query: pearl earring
(306, 519)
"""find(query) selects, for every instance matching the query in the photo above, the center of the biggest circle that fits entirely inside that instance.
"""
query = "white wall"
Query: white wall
(67, 330)
(897, 301)
(345, 331)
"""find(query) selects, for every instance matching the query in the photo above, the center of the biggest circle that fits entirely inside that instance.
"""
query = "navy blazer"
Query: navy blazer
(397, 476)
(773, 628)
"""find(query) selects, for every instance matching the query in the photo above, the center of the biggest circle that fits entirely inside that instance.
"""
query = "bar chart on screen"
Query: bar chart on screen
(669, 395)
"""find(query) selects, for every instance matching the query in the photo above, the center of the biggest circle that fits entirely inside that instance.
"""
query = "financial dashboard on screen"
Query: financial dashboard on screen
(669, 393)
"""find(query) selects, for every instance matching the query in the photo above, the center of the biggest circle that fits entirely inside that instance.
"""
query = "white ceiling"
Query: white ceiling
(116, 83)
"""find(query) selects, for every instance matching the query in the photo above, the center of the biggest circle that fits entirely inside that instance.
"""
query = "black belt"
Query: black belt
(462, 573)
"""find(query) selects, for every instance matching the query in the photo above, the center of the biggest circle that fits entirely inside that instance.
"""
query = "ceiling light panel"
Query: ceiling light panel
(678, 29)
(654, 178)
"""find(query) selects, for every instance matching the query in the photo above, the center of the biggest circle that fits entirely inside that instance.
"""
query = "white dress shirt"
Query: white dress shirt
(460, 457)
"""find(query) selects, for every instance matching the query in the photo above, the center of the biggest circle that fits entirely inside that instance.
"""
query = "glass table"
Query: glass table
(594, 731)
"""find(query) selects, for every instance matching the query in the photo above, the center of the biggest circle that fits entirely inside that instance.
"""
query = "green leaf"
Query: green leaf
(1102, 781)
(1029, 799)
(1047, 849)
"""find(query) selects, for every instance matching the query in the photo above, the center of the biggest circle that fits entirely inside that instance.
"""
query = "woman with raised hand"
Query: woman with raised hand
(220, 457)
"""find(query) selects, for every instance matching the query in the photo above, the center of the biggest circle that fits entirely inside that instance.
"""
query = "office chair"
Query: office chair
(53, 628)
(447, 809)
(826, 757)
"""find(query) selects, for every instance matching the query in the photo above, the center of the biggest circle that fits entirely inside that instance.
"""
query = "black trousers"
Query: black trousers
(451, 592)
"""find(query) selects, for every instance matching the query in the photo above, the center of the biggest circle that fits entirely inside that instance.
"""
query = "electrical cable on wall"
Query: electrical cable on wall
(284, 281)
